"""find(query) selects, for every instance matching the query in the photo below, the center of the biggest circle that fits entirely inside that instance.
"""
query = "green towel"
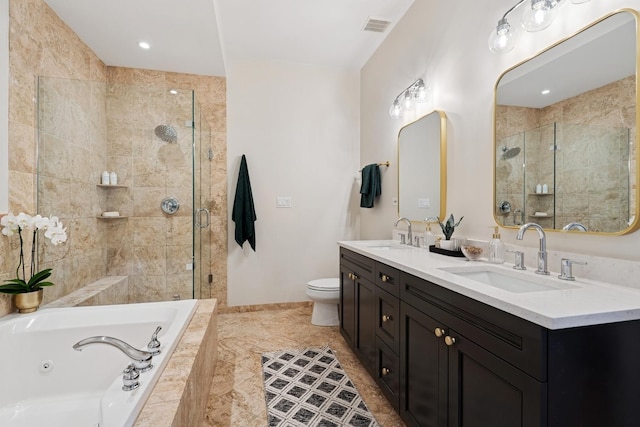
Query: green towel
(371, 187)
(244, 213)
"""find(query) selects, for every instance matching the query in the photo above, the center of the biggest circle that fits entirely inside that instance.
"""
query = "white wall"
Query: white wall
(297, 125)
(4, 106)
(446, 41)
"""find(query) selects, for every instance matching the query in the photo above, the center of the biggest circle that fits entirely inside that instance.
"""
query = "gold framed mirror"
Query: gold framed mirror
(565, 133)
(422, 167)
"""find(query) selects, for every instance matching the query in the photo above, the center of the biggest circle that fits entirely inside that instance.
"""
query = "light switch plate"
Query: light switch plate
(283, 202)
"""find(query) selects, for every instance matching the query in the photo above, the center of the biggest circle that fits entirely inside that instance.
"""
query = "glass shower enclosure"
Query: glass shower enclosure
(586, 170)
(153, 225)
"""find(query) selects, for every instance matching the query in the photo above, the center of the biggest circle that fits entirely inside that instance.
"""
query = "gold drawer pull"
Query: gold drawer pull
(385, 278)
(439, 332)
(385, 372)
(385, 318)
(449, 340)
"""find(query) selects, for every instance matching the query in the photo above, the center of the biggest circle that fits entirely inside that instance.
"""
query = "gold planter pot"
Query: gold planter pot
(28, 302)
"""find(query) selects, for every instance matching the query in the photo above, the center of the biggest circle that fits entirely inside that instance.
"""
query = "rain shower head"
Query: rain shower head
(166, 133)
(509, 153)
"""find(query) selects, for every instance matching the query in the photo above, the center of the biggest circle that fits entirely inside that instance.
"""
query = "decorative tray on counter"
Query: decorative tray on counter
(446, 252)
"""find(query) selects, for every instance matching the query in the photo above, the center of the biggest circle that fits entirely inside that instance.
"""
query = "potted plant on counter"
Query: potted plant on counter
(26, 288)
(447, 229)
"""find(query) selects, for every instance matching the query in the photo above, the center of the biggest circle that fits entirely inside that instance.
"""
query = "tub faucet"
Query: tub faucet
(409, 235)
(542, 253)
(141, 359)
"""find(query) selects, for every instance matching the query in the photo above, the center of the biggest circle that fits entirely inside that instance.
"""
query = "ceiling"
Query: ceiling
(198, 36)
(574, 66)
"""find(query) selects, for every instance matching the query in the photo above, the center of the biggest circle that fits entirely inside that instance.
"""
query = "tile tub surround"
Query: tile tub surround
(237, 393)
(588, 303)
(179, 398)
(106, 291)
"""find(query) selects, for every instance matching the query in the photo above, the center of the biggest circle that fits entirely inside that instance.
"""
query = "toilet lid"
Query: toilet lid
(330, 284)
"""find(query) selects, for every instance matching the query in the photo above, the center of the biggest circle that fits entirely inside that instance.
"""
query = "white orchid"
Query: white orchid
(53, 230)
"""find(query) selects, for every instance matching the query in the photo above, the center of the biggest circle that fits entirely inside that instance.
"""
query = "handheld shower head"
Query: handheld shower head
(167, 133)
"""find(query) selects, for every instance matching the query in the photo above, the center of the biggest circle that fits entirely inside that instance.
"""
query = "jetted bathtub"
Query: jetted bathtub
(45, 382)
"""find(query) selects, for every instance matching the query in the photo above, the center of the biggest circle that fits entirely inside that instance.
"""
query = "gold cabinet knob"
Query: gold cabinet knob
(384, 278)
(385, 318)
(449, 340)
(385, 371)
(439, 332)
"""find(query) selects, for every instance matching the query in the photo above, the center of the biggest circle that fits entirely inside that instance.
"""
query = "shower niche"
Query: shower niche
(564, 175)
(157, 142)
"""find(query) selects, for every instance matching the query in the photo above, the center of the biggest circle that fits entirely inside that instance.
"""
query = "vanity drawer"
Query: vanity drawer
(388, 373)
(388, 278)
(361, 265)
(388, 319)
(515, 340)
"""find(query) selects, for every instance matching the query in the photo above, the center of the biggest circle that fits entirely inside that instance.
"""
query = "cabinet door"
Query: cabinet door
(423, 370)
(484, 390)
(347, 306)
(366, 323)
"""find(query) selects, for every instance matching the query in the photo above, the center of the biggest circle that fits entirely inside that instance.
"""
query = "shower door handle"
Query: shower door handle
(199, 218)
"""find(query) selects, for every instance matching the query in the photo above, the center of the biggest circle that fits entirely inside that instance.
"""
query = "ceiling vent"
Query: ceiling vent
(376, 25)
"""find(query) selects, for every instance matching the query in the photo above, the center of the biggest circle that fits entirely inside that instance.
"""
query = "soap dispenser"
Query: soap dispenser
(429, 237)
(496, 247)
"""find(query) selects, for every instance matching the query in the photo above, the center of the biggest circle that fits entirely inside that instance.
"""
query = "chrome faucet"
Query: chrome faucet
(409, 234)
(542, 253)
(141, 359)
(574, 226)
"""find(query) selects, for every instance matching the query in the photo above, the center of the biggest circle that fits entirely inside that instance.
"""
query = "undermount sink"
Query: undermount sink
(507, 280)
(387, 246)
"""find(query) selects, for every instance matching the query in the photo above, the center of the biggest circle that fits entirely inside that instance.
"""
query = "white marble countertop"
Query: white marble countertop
(578, 303)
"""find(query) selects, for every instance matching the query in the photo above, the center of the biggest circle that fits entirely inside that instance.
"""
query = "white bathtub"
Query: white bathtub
(44, 382)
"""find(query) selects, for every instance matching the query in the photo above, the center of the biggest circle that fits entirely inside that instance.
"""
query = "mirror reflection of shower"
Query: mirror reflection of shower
(167, 133)
(509, 153)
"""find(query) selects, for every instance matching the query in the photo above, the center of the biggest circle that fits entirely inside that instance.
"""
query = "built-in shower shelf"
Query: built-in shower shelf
(111, 186)
(111, 217)
(541, 194)
(540, 216)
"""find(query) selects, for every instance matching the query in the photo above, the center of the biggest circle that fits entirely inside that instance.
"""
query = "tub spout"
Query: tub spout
(141, 359)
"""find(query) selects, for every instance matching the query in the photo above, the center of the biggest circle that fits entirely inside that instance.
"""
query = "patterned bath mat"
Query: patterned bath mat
(309, 388)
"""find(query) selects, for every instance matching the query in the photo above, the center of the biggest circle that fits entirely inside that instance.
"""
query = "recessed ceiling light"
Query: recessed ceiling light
(546, 92)
(173, 92)
(144, 45)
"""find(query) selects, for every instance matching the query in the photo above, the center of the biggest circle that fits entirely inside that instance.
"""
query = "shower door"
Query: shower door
(202, 158)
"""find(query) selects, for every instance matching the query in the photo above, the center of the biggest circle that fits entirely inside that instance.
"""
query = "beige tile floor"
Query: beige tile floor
(237, 395)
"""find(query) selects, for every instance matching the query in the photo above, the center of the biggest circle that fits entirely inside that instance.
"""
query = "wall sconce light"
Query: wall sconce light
(536, 16)
(407, 99)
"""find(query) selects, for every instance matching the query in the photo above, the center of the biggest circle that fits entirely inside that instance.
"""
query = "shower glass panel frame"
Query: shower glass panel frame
(86, 127)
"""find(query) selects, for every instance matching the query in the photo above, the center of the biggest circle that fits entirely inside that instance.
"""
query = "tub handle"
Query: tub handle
(130, 377)
(154, 344)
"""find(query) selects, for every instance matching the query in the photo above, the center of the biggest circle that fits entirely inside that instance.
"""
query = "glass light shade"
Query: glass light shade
(407, 101)
(503, 38)
(538, 14)
(395, 110)
(421, 92)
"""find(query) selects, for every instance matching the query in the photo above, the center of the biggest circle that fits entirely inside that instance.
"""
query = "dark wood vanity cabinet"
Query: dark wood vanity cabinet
(445, 360)
(357, 306)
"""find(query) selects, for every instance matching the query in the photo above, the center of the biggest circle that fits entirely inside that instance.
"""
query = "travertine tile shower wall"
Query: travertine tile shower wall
(574, 173)
(40, 44)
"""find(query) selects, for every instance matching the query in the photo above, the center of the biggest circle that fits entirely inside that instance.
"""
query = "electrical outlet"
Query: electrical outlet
(424, 203)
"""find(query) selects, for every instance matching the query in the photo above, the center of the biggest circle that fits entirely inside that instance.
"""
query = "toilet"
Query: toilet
(325, 294)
